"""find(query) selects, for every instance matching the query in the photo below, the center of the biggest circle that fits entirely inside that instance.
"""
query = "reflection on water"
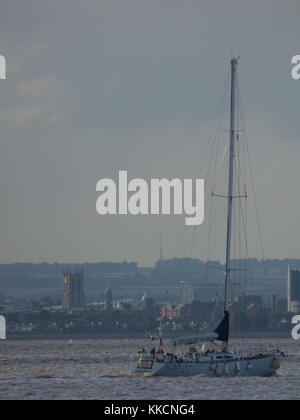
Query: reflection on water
(98, 369)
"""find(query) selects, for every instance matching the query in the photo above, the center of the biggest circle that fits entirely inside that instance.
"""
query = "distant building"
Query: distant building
(108, 300)
(169, 311)
(147, 302)
(274, 304)
(127, 304)
(293, 291)
(53, 308)
(202, 292)
(278, 305)
(6, 308)
(199, 311)
(282, 305)
(198, 292)
(73, 294)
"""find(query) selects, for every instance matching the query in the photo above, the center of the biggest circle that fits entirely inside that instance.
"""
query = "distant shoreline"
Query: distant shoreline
(104, 336)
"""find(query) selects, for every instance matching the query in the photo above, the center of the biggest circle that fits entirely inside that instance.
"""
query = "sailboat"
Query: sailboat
(203, 360)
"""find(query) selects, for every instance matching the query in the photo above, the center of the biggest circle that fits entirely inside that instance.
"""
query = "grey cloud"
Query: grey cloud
(94, 87)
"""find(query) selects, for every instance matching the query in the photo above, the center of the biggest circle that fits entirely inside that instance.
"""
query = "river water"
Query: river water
(98, 369)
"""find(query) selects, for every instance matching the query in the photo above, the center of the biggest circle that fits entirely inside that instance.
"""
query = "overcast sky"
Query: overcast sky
(97, 86)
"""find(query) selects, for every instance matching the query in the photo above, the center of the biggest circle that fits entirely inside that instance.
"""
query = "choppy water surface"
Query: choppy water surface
(98, 369)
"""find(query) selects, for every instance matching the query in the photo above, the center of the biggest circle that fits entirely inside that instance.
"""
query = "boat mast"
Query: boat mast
(231, 175)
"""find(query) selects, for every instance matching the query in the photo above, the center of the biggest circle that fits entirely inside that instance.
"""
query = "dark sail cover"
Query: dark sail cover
(223, 328)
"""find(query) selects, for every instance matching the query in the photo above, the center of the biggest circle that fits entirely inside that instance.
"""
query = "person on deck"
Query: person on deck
(153, 352)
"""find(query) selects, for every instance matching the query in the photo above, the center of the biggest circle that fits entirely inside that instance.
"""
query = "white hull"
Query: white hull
(263, 367)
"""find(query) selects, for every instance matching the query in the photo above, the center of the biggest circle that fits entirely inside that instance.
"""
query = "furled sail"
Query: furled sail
(223, 329)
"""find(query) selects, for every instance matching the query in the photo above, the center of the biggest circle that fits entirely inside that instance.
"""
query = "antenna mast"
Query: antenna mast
(234, 62)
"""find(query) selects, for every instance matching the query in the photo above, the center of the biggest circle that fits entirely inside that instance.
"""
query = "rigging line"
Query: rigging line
(214, 210)
(215, 207)
(233, 249)
(239, 100)
(246, 246)
(189, 253)
(212, 136)
(238, 209)
(184, 229)
(218, 230)
(186, 264)
(222, 164)
(237, 227)
(243, 283)
(216, 152)
(216, 122)
(215, 140)
(243, 168)
(240, 243)
(210, 323)
(239, 170)
(212, 139)
(188, 243)
(239, 180)
(218, 136)
(241, 176)
(242, 215)
(215, 171)
(245, 224)
(253, 187)
(237, 177)
(244, 229)
(209, 235)
(216, 174)
(215, 216)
